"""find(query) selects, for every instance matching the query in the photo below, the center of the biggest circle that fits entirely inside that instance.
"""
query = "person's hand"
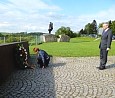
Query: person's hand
(108, 49)
(32, 66)
(43, 67)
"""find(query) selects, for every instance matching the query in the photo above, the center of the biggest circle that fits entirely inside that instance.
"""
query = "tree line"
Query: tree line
(90, 28)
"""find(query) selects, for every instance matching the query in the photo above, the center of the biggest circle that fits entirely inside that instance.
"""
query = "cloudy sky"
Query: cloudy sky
(35, 15)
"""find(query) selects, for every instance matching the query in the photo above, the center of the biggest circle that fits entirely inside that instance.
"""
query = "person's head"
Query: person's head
(105, 25)
(35, 49)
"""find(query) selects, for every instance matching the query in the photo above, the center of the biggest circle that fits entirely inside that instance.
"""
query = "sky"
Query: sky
(35, 15)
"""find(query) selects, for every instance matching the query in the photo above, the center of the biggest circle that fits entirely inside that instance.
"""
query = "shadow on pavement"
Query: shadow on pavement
(31, 83)
(110, 66)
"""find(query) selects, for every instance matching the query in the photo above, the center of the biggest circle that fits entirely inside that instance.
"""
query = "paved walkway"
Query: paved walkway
(64, 78)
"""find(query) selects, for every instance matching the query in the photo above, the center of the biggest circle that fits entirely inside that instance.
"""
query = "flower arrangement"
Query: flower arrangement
(21, 56)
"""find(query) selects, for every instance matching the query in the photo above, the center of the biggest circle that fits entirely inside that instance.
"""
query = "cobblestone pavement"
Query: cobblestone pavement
(66, 77)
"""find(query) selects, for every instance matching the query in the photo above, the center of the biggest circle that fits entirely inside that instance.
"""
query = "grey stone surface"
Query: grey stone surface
(66, 77)
(63, 38)
(49, 38)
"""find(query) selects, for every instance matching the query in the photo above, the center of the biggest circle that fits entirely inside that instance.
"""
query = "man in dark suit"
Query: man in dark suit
(105, 45)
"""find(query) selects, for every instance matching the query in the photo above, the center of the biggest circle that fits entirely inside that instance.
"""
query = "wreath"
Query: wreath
(21, 57)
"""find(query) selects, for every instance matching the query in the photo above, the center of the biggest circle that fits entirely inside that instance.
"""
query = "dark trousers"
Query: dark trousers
(50, 30)
(40, 62)
(103, 57)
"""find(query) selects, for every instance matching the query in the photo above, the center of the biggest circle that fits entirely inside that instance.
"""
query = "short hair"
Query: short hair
(35, 49)
(106, 23)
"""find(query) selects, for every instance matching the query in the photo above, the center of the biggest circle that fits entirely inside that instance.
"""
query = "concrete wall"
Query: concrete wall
(7, 59)
(53, 38)
(49, 38)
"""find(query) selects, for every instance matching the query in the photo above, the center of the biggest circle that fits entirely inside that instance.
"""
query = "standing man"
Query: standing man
(105, 45)
(50, 27)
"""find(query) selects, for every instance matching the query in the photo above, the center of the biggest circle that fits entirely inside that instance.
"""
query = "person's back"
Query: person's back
(43, 58)
(42, 54)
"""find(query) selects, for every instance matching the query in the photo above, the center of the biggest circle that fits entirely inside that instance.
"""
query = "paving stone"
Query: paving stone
(66, 77)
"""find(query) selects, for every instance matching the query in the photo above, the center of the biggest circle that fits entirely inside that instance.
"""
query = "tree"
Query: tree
(1, 35)
(94, 25)
(100, 25)
(65, 30)
(82, 32)
(89, 29)
(110, 24)
(113, 27)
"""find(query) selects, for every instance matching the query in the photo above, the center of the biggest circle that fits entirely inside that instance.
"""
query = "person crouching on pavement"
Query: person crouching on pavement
(42, 57)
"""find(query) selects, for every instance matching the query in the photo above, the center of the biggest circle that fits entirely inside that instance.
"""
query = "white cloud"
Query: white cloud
(5, 24)
(30, 5)
(25, 15)
(102, 16)
(35, 15)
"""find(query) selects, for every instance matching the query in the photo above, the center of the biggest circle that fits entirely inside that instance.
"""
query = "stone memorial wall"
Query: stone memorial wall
(7, 59)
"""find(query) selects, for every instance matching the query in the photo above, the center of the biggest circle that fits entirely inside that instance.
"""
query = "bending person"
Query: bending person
(42, 57)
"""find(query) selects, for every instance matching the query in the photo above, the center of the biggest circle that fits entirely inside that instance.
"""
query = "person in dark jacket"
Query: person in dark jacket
(105, 45)
(42, 57)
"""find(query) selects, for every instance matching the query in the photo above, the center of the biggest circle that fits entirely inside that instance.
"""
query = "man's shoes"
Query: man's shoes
(101, 68)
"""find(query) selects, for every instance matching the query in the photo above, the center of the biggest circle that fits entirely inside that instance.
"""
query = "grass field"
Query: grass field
(77, 47)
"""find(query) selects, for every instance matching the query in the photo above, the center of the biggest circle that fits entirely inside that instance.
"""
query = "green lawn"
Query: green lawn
(77, 47)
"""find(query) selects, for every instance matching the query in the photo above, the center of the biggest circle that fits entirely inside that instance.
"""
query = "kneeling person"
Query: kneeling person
(42, 57)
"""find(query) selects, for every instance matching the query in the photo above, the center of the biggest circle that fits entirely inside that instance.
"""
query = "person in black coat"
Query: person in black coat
(42, 57)
(105, 45)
